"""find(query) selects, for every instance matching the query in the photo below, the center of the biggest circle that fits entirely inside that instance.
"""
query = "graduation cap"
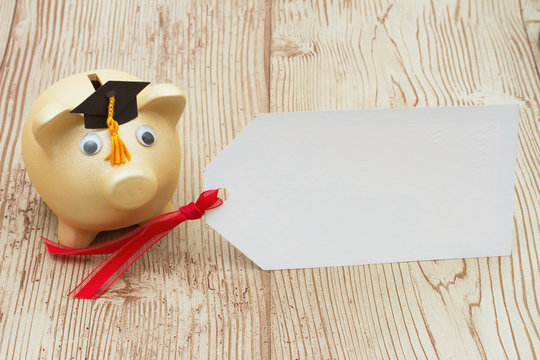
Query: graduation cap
(112, 104)
(95, 107)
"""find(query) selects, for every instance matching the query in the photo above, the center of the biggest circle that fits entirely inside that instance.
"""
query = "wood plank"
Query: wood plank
(7, 14)
(530, 10)
(192, 295)
(379, 54)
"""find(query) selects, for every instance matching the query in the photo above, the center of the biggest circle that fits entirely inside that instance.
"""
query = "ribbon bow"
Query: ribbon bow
(126, 249)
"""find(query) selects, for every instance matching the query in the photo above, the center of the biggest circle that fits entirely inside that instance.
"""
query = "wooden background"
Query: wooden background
(194, 295)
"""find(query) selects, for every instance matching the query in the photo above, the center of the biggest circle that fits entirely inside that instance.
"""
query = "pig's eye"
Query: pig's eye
(90, 144)
(146, 135)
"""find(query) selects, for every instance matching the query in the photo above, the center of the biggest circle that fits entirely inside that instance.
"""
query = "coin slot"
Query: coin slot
(94, 79)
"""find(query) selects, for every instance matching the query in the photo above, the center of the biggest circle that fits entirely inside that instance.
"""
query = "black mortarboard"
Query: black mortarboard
(95, 107)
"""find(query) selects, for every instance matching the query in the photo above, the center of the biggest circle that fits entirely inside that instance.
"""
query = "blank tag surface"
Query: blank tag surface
(313, 189)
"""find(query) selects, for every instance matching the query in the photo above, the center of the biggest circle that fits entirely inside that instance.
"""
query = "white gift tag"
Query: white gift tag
(312, 189)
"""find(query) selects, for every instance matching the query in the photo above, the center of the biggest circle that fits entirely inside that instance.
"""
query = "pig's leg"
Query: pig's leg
(72, 237)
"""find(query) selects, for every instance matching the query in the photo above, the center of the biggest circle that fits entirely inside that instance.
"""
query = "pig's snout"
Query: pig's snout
(129, 189)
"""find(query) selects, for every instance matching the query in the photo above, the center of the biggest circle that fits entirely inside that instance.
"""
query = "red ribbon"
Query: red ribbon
(126, 249)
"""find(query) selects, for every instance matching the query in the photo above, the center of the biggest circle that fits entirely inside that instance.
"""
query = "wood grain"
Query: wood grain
(7, 14)
(193, 295)
(377, 54)
(531, 19)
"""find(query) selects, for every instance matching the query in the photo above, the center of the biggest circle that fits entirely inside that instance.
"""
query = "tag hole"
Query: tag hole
(223, 194)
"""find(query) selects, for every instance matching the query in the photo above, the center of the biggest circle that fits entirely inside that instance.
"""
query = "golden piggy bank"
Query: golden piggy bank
(102, 150)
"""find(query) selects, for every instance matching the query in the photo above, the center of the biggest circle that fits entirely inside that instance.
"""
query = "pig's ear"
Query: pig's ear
(164, 99)
(51, 122)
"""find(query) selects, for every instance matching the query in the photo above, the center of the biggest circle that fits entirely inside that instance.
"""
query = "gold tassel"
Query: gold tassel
(119, 151)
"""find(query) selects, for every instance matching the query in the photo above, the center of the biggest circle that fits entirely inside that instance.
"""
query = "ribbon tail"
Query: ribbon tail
(110, 269)
(99, 249)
